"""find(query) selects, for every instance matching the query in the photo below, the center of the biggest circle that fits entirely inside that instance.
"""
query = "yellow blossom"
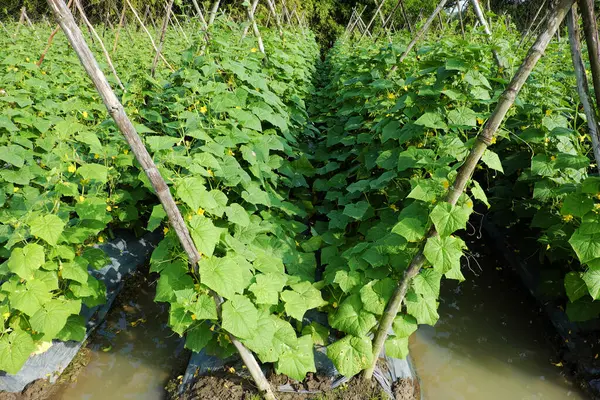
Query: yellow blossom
(212, 328)
(231, 370)
(194, 317)
(200, 211)
(405, 87)
(568, 218)
(469, 204)
(480, 121)
(165, 230)
(445, 184)
(493, 141)
(203, 109)
(125, 151)
(209, 171)
(96, 156)
(391, 96)
(85, 114)
(553, 158)
(81, 198)
(108, 208)
(394, 207)
(27, 59)
(15, 189)
(548, 247)
(100, 239)
(43, 72)
(547, 140)
(253, 50)
(335, 304)
(6, 315)
(548, 112)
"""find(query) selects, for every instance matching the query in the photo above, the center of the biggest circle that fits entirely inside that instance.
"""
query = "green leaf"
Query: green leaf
(30, 297)
(424, 309)
(203, 307)
(261, 341)
(180, 319)
(404, 325)
(352, 318)
(492, 160)
(157, 143)
(15, 349)
(356, 210)
(347, 279)
(427, 283)
(205, 234)
(479, 194)
(94, 172)
(301, 298)
(577, 205)
(197, 337)
(390, 131)
(587, 247)
(223, 275)
(24, 261)
(190, 191)
(319, 333)
(592, 280)
(396, 347)
(376, 294)
(173, 277)
(237, 215)
(52, 317)
(240, 317)
(76, 270)
(575, 286)
(431, 120)
(444, 253)
(298, 362)
(156, 218)
(462, 117)
(351, 354)
(74, 329)
(449, 218)
(267, 287)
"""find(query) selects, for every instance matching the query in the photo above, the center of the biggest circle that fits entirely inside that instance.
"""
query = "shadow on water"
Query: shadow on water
(133, 353)
(490, 342)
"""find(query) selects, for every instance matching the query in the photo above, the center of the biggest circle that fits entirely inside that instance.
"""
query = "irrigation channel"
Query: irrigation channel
(485, 345)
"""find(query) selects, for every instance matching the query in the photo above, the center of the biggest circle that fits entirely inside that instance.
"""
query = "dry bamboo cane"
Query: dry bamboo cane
(117, 112)
(91, 28)
(531, 24)
(121, 21)
(420, 33)
(200, 14)
(590, 30)
(7, 32)
(50, 39)
(460, 17)
(582, 83)
(356, 20)
(213, 12)
(253, 10)
(410, 28)
(178, 25)
(486, 29)
(383, 23)
(350, 20)
(386, 22)
(484, 139)
(250, 14)
(149, 35)
(286, 12)
(367, 29)
(21, 21)
(273, 11)
(163, 33)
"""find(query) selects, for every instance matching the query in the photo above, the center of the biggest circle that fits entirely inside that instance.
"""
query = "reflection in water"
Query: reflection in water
(133, 353)
(488, 344)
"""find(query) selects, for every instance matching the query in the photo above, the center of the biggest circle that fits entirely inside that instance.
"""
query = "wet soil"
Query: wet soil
(230, 386)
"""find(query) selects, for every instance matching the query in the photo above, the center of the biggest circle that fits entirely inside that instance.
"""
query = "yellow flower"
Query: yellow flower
(405, 87)
(15, 189)
(493, 141)
(598, 196)
(469, 204)
(200, 211)
(100, 239)
(231, 370)
(393, 207)
(212, 328)
(597, 206)
(391, 96)
(43, 72)
(194, 317)
(96, 156)
(553, 158)
(480, 121)
(253, 50)
(190, 217)
(16, 69)
(85, 114)
(568, 218)
(203, 109)
(335, 304)
(547, 140)
(165, 230)
(548, 112)
(547, 247)
(445, 184)
(108, 208)
(6, 315)
(209, 171)
(81, 198)
(231, 153)
(125, 151)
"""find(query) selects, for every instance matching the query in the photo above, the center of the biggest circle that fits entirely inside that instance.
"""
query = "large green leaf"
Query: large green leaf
(449, 218)
(240, 317)
(296, 363)
(205, 234)
(223, 275)
(352, 318)
(301, 298)
(24, 261)
(575, 286)
(427, 283)
(15, 348)
(592, 280)
(396, 347)
(444, 253)
(49, 227)
(30, 297)
(351, 354)
(424, 309)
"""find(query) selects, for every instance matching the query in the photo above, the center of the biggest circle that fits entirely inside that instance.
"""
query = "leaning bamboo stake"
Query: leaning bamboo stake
(213, 12)
(351, 21)
(531, 24)
(484, 139)
(121, 21)
(386, 21)
(273, 11)
(117, 112)
(421, 32)
(590, 30)
(252, 10)
(250, 13)
(50, 39)
(410, 28)
(200, 14)
(460, 17)
(486, 29)
(6, 30)
(149, 35)
(163, 32)
(177, 25)
(357, 19)
(582, 83)
(91, 28)
(373, 18)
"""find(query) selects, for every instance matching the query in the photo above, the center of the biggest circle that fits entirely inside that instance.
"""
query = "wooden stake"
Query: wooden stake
(368, 27)
(484, 139)
(250, 14)
(252, 11)
(460, 17)
(91, 28)
(50, 39)
(213, 12)
(163, 32)
(582, 83)
(410, 29)
(273, 11)
(117, 112)
(531, 24)
(121, 21)
(590, 30)
(149, 36)
(486, 29)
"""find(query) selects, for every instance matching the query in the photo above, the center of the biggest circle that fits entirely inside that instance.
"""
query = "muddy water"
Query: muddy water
(488, 344)
(134, 353)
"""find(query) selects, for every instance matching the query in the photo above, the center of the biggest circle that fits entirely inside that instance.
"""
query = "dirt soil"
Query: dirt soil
(227, 386)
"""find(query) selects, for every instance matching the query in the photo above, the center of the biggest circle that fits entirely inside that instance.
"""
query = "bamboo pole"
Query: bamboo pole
(213, 12)
(484, 139)
(582, 83)
(163, 32)
(410, 28)
(486, 29)
(357, 19)
(7, 32)
(91, 28)
(531, 24)
(200, 14)
(351, 21)
(253, 10)
(273, 11)
(178, 25)
(373, 18)
(117, 112)
(460, 17)
(50, 39)
(590, 30)
(121, 21)
(250, 14)
(149, 35)
(421, 32)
